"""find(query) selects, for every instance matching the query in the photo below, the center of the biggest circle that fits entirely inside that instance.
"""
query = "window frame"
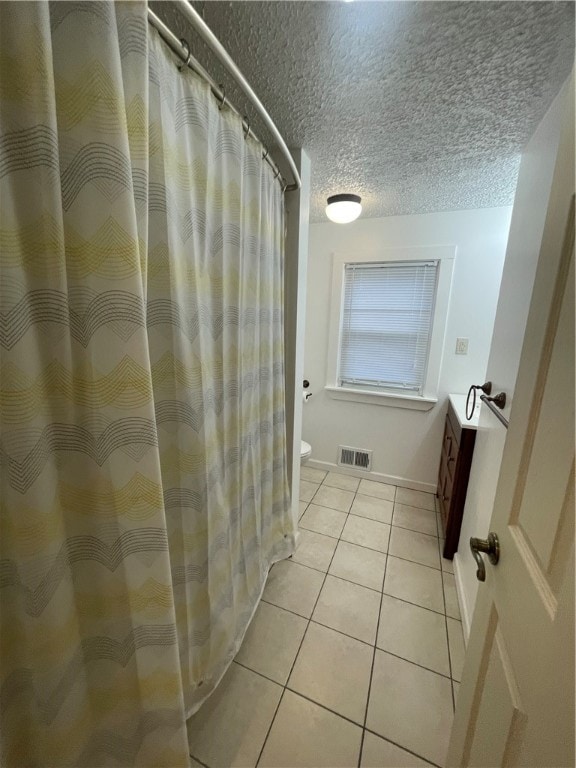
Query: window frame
(445, 256)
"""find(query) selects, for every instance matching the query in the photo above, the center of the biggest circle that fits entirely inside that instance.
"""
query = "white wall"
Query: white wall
(531, 204)
(295, 267)
(406, 443)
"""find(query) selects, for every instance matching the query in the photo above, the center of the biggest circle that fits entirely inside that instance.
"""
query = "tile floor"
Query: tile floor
(354, 656)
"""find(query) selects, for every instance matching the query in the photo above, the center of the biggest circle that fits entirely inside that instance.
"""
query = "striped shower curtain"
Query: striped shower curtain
(142, 446)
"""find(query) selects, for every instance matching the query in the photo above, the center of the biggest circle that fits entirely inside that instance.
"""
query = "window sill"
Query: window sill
(412, 402)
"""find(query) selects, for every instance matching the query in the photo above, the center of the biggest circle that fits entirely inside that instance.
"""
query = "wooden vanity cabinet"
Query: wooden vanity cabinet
(455, 462)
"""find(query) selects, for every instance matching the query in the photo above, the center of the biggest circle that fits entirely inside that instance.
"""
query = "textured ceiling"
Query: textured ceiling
(415, 106)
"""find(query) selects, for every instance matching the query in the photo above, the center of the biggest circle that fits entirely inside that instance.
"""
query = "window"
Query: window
(387, 325)
(388, 308)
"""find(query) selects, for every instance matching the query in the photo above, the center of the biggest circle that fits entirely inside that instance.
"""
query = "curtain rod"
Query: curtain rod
(208, 36)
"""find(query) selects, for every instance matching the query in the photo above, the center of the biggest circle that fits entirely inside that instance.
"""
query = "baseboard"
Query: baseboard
(464, 610)
(404, 482)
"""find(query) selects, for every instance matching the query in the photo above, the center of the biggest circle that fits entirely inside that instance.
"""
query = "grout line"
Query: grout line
(351, 637)
(400, 746)
(323, 482)
(286, 687)
(198, 761)
(401, 599)
(374, 655)
(320, 624)
(337, 487)
(412, 530)
(430, 567)
(420, 533)
(416, 605)
(271, 724)
(415, 663)
(323, 706)
(415, 562)
(362, 517)
(295, 659)
(260, 674)
(309, 620)
(335, 575)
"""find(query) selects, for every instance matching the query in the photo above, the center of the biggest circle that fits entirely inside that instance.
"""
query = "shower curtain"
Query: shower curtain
(143, 459)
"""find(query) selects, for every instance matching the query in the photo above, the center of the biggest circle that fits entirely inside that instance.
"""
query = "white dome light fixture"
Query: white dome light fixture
(342, 209)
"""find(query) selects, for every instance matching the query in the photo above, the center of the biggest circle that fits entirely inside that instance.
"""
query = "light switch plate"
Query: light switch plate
(461, 346)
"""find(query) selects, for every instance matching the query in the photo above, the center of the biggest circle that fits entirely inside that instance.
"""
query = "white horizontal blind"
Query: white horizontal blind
(387, 322)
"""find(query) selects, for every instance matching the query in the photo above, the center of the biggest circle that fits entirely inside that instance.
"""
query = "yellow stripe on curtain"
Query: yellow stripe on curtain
(143, 458)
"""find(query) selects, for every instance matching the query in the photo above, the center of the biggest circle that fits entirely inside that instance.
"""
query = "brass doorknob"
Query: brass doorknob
(490, 547)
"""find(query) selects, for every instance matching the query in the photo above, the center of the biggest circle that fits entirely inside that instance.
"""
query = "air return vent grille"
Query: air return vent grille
(359, 458)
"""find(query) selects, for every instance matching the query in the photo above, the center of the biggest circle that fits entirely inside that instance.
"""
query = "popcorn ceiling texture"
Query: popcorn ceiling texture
(415, 106)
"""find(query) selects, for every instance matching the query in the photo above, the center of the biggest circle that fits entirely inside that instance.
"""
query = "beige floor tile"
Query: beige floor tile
(333, 670)
(358, 564)
(366, 533)
(344, 482)
(307, 490)
(379, 753)
(380, 490)
(421, 520)
(457, 648)
(330, 522)
(302, 506)
(305, 735)
(334, 498)
(415, 583)
(294, 587)
(314, 550)
(372, 508)
(349, 608)
(413, 633)
(410, 706)
(411, 545)
(415, 498)
(312, 475)
(272, 642)
(225, 732)
(451, 596)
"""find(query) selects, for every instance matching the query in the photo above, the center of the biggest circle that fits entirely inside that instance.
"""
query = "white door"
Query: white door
(516, 702)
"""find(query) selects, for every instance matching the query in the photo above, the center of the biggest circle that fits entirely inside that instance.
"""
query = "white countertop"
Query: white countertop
(459, 405)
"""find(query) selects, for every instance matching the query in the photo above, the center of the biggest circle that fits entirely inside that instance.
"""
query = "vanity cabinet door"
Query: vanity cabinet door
(444, 480)
(453, 475)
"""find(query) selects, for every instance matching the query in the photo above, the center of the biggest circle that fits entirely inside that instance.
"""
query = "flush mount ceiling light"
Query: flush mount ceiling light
(343, 209)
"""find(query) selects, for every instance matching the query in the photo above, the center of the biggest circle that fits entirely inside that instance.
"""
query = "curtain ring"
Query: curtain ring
(247, 129)
(277, 174)
(223, 101)
(265, 155)
(184, 44)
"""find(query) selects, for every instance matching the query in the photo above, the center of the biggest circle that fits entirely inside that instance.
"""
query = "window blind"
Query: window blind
(388, 309)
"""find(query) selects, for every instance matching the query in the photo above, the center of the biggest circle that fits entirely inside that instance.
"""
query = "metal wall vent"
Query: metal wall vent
(359, 458)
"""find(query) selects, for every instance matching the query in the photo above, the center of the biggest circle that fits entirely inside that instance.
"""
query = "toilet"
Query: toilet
(305, 451)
